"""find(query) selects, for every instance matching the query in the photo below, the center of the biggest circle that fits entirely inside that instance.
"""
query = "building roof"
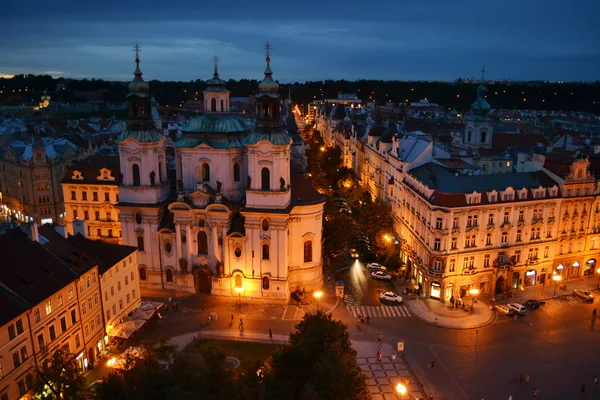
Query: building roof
(12, 305)
(108, 254)
(444, 180)
(75, 258)
(456, 163)
(90, 170)
(141, 135)
(303, 191)
(216, 123)
(30, 270)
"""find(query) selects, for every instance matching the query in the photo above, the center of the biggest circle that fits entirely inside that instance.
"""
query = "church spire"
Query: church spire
(268, 84)
(216, 64)
(138, 84)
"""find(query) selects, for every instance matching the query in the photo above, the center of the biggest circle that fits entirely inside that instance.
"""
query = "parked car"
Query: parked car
(584, 295)
(518, 308)
(390, 296)
(533, 304)
(505, 310)
(353, 253)
(372, 267)
(381, 275)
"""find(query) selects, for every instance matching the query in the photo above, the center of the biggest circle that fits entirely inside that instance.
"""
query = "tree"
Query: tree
(57, 377)
(318, 363)
(337, 231)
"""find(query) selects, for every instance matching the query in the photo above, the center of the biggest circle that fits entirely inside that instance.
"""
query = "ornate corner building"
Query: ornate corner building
(240, 221)
(460, 229)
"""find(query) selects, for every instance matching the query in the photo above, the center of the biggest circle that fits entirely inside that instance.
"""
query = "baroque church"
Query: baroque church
(244, 220)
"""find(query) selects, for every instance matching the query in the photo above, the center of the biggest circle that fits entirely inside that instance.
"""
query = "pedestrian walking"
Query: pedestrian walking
(536, 393)
(209, 319)
(431, 364)
(379, 338)
(406, 382)
(596, 381)
(582, 388)
(393, 356)
(270, 334)
(368, 319)
(232, 318)
(522, 378)
(594, 313)
(510, 397)
(379, 355)
(527, 377)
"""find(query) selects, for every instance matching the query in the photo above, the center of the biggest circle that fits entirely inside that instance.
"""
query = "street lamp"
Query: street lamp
(239, 290)
(474, 292)
(388, 238)
(556, 279)
(318, 294)
(400, 389)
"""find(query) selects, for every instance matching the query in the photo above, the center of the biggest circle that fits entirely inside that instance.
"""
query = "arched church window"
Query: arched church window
(202, 243)
(483, 136)
(169, 275)
(135, 170)
(308, 251)
(213, 104)
(222, 106)
(265, 175)
(265, 251)
(142, 274)
(469, 136)
(236, 172)
(138, 218)
(140, 243)
(265, 283)
(205, 172)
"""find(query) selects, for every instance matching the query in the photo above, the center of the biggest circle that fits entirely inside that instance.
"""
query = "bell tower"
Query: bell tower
(216, 94)
(479, 127)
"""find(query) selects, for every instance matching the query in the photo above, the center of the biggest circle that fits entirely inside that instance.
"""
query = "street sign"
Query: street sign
(339, 289)
(400, 346)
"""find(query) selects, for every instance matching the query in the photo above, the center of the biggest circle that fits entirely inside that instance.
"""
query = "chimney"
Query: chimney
(61, 230)
(80, 227)
(31, 230)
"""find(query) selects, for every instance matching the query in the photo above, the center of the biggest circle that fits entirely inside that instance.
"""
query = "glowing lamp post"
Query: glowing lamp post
(388, 238)
(239, 290)
(556, 279)
(318, 294)
(400, 389)
(474, 293)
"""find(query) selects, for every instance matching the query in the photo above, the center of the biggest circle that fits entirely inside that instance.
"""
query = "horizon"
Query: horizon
(435, 41)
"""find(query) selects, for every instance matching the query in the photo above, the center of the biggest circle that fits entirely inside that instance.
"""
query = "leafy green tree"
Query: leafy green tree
(337, 231)
(318, 363)
(57, 377)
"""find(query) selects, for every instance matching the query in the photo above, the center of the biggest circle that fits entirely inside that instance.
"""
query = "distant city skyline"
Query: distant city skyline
(389, 40)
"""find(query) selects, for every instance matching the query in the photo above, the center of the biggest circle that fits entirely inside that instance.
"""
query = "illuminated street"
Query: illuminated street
(555, 344)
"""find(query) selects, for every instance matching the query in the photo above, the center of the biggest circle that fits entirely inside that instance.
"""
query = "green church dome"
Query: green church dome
(216, 123)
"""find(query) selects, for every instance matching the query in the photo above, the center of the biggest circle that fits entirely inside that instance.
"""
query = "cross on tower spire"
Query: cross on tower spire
(268, 48)
(137, 50)
(482, 74)
(216, 64)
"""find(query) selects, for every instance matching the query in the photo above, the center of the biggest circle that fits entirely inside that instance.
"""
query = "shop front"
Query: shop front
(464, 287)
(530, 278)
(559, 269)
(436, 290)
(574, 270)
(590, 267)
(449, 291)
(484, 285)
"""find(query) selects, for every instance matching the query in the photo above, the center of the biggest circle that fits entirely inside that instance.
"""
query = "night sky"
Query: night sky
(312, 40)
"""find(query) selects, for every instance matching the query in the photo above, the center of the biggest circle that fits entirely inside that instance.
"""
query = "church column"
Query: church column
(276, 243)
(178, 249)
(225, 256)
(190, 246)
(215, 242)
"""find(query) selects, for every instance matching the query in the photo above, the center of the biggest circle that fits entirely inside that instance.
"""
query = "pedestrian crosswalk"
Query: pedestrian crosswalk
(379, 311)
(353, 299)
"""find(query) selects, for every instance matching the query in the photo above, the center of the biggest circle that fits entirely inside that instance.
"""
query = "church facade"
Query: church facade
(242, 219)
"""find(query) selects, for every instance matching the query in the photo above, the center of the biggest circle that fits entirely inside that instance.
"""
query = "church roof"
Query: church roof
(480, 107)
(216, 123)
(142, 136)
(275, 138)
(212, 141)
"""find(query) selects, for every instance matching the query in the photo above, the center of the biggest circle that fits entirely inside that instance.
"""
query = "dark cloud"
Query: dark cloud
(427, 39)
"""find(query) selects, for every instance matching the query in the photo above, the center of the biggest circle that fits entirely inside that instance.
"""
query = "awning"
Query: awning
(466, 282)
(485, 279)
(142, 314)
(150, 306)
(127, 328)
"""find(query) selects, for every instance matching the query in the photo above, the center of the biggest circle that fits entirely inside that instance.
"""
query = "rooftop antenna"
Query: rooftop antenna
(137, 50)
(483, 74)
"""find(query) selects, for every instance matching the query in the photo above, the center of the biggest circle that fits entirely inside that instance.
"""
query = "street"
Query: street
(556, 345)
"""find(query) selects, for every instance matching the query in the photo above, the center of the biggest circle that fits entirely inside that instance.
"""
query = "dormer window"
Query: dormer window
(77, 176)
(474, 198)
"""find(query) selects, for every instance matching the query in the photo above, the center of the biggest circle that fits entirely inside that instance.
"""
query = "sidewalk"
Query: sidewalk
(383, 375)
(541, 292)
(436, 313)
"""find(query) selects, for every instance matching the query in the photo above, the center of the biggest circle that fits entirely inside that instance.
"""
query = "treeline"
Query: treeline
(22, 89)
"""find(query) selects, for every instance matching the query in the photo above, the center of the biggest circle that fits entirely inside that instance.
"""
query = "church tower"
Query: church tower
(144, 185)
(216, 94)
(268, 149)
(479, 127)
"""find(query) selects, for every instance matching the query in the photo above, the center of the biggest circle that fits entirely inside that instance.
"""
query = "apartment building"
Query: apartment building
(30, 174)
(460, 229)
(91, 191)
(45, 290)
